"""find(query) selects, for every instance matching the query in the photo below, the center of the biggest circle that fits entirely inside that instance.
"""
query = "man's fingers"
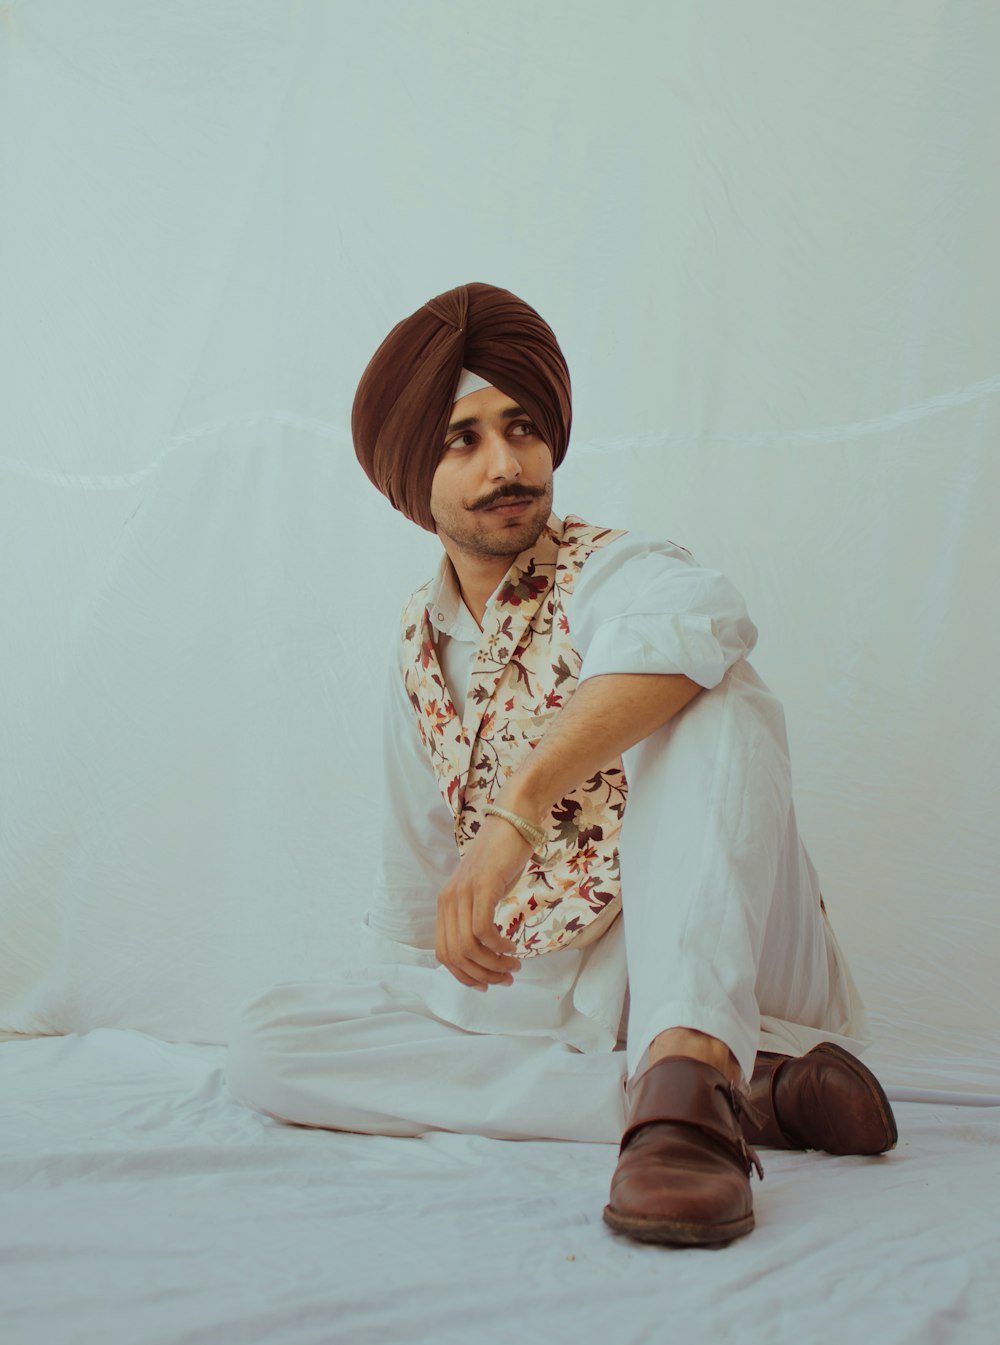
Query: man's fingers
(464, 957)
(470, 973)
(484, 965)
(464, 979)
(467, 905)
(484, 954)
(484, 929)
(489, 937)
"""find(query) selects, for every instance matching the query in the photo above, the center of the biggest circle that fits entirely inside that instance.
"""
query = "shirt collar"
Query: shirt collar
(446, 611)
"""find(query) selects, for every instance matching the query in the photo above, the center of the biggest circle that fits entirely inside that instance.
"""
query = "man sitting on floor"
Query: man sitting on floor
(588, 811)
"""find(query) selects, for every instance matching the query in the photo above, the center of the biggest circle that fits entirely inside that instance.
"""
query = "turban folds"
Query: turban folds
(403, 404)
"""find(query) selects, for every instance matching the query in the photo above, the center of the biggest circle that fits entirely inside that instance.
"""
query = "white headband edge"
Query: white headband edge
(470, 382)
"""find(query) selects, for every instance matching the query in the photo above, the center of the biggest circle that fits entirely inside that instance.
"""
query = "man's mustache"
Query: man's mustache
(508, 493)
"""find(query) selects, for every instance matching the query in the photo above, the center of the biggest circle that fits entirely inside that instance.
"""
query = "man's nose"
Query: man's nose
(501, 461)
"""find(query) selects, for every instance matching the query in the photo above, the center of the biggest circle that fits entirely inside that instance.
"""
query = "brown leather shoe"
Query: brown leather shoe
(825, 1099)
(683, 1174)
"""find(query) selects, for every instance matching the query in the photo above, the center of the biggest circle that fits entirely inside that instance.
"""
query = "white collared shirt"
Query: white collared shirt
(457, 633)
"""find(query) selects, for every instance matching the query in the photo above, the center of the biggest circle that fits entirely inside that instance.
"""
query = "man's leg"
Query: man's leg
(357, 1055)
(722, 919)
(721, 911)
(695, 1045)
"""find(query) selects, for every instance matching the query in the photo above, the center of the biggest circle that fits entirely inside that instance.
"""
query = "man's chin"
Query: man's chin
(529, 524)
(505, 537)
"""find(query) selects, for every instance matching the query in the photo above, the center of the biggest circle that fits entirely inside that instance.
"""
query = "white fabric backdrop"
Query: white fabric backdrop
(766, 237)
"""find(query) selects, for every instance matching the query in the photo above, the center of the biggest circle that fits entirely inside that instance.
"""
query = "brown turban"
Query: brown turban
(403, 403)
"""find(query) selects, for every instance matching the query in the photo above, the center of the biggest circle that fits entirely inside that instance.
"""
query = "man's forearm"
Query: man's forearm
(606, 715)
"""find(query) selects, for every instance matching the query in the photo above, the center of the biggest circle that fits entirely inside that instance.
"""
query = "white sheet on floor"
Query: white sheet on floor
(143, 1206)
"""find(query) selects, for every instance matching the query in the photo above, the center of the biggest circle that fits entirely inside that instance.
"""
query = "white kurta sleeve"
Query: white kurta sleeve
(646, 606)
(418, 849)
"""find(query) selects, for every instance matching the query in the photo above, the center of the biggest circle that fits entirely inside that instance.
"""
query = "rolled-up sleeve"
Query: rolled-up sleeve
(645, 606)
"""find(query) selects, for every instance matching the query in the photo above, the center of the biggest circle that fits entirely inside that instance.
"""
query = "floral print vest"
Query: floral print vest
(523, 674)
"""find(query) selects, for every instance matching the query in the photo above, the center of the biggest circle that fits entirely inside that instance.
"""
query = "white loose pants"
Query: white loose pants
(721, 930)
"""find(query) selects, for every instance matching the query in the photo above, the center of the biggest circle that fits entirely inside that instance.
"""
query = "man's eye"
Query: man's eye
(459, 441)
(526, 428)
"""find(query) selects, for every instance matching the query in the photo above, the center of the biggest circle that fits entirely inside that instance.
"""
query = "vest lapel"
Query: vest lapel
(449, 748)
(515, 607)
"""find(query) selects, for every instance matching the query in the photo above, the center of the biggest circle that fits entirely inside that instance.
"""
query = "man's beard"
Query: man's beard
(461, 523)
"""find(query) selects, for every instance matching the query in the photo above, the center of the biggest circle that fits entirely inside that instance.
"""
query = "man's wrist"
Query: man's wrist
(534, 836)
(524, 797)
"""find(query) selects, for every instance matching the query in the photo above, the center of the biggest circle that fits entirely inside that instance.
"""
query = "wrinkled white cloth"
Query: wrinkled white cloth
(722, 928)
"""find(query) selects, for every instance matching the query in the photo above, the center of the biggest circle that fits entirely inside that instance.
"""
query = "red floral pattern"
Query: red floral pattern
(524, 673)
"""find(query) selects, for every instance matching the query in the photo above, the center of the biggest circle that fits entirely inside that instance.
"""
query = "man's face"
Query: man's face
(492, 490)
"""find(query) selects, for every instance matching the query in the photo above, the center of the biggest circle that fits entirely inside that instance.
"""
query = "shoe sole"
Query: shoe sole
(862, 1072)
(675, 1232)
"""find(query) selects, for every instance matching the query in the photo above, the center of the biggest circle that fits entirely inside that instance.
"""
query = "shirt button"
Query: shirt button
(440, 616)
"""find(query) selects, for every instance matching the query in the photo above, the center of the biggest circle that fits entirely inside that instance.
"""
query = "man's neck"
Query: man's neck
(477, 577)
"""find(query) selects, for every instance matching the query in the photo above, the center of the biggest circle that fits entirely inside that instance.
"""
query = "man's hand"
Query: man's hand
(605, 715)
(468, 942)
